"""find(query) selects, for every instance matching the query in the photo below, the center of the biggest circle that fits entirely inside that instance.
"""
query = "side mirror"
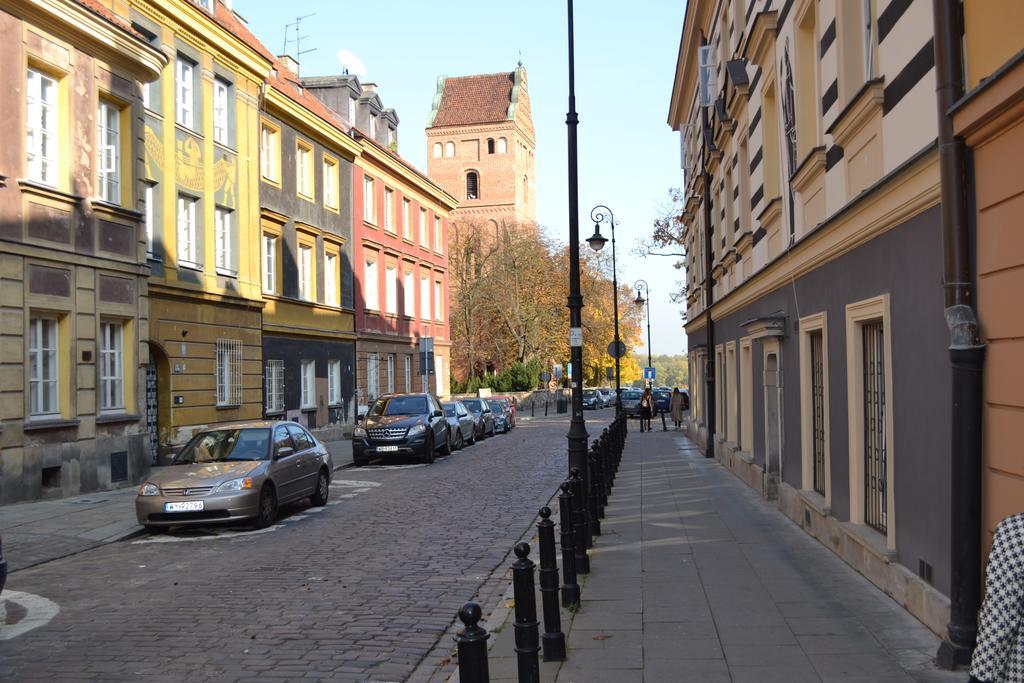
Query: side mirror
(284, 451)
(438, 413)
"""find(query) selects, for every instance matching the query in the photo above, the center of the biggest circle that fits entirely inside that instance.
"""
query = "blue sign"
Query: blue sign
(568, 370)
(649, 373)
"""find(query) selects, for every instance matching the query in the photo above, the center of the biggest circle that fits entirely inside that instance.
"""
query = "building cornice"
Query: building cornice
(696, 22)
(299, 117)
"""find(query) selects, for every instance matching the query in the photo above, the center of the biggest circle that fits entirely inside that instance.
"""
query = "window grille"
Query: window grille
(408, 372)
(43, 375)
(875, 452)
(274, 383)
(372, 376)
(391, 373)
(111, 366)
(229, 372)
(472, 186)
(818, 410)
(42, 143)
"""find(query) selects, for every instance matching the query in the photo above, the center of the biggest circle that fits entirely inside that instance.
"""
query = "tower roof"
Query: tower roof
(466, 100)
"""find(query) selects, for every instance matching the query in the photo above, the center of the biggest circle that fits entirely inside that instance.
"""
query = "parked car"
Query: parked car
(236, 472)
(501, 416)
(510, 404)
(482, 415)
(3, 566)
(402, 425)
(461, 423)
(662, 400)
(592, 398)
(631, 402)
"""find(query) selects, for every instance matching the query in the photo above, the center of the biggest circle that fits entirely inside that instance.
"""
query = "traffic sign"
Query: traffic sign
(557, 372)
(575, 336)
(609, 373)
(545, 377)
(617, 349)
(649, 373)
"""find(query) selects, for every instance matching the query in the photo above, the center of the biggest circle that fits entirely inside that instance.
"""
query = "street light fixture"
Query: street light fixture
(642, 288)
(597, 242)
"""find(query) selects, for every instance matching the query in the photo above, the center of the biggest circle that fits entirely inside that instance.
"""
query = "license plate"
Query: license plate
(387, 449)
(186, 506)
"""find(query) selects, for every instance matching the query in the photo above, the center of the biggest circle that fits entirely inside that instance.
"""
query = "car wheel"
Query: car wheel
(447, 448)
(493, 432)
(267, 511)
(472, 439)
(459, 441)
(428, 452)
(323, 488)
(155, 529)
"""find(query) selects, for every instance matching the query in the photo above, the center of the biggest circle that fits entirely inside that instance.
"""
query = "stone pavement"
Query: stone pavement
(45, 530)
(696, 578)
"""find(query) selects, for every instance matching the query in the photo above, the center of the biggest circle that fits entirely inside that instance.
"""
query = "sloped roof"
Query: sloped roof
(115, 19)
(475, 99)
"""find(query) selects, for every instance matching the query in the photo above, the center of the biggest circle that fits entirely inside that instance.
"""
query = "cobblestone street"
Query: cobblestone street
(361, 590)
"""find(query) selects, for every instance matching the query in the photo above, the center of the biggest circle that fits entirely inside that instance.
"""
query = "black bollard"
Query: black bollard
(570, 588)
(533, 408)
(663, 427)
(545, 406)
(579, 523)
(527, 635)
(472, 642)
(553, 639)
(595, 523)
(605, 475)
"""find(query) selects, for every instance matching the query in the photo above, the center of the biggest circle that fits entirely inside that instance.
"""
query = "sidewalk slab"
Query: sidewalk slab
(696, 577)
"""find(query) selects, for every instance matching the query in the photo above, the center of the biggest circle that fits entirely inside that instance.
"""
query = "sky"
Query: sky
(625, 64)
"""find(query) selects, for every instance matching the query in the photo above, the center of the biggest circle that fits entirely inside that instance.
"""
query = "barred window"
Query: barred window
(274, 383)
(111, 366)
(229, 372)
(372, 376)
(334, 382)
(308, 384)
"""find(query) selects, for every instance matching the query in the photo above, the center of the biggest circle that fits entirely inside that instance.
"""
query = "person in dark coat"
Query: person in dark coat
(999, 654)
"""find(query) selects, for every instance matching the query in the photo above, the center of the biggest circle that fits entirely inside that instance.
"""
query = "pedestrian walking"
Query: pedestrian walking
(677, 407)
(646, 409)
(999, 654)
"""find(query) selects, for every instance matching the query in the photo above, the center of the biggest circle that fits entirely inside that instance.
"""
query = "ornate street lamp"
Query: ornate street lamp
(597, 242)
(641, 288)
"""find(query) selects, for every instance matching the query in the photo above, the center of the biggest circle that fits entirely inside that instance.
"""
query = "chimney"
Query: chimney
(369, 87)
(289, 63)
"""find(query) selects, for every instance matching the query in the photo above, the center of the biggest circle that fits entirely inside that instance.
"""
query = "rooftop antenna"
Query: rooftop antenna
(520, 65)
(297, 39)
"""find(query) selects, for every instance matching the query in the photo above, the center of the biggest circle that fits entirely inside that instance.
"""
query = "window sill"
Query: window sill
(105, 205)
(227, 273)
(815, 501)
(308, 409)
(40, 188)
(274, 413)
(370, 224)
(49, 423)
(869, 539)
(228, 406)
(113, 418)
(190, 266)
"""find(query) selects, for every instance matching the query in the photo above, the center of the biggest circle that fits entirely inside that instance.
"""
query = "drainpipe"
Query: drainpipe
(966, 351)
(709, 361)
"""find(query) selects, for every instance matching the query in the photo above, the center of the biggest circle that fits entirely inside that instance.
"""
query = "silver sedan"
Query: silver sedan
(236, 472)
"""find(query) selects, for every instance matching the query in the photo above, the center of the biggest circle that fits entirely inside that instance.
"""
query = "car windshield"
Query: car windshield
(589, 392)
(473, 405)
(222, 445)
(449, 409)
(400, 405)
(495, 406)
(630, 395)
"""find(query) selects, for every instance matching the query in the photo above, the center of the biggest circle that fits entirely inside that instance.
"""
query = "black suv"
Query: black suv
(402, 425)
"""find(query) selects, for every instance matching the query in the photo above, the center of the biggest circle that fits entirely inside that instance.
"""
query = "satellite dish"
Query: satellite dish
(351, 62)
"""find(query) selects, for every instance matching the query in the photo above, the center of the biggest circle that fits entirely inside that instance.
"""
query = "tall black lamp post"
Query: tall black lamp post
(577, 436)
(641, 288)
(599, 214)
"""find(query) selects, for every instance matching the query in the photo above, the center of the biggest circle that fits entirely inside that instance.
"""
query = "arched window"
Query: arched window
(502, 145)
(449, 149)
(490, 145)
(437, 150)
(472, 185)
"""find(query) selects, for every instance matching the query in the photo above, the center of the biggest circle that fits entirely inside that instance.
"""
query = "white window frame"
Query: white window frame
(810, 325)
(229, 372)
(330, 278)
(44, 367)
(391, 288)
(369, 214)
(438, 301)
(188, 249)
(502, 146)
(389, 209)
(304, 172)
(108, 151)
(307, 373)
(352, 111)
(270, 150)
(148, 193)
(334, 382)
(424, 237)
(409, 294)
(438, 235)
(274, 381)
(184, 85)
(424, 297)
(269, 263)
(438, 150)
(330, 169)
(221, 121)
(43, 144)
(371, 286)
(111, 366)
(307, 288)
(223, 241)
(372, 376)
(406, 219)
(408, 372)
(373, 125)
(391, 373)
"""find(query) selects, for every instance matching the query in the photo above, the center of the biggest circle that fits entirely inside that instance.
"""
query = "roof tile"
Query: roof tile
(475, 99)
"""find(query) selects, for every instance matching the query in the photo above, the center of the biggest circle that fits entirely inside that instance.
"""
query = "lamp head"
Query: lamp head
(597, 240)
(640, 300)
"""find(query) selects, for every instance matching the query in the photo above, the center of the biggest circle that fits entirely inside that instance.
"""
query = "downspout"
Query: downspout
(966, 351)
(709, 360)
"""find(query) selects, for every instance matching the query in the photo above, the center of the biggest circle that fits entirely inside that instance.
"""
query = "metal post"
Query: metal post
(553, 640)
(570, 588)
(664, 427)
(527, 635)
(472, 642)
(598, 217)
(709, 284)
(595, 523)
(579, 523)
(577, 435)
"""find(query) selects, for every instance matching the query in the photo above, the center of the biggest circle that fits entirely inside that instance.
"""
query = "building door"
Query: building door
(152, 410)
(772, 420)
(158, 400)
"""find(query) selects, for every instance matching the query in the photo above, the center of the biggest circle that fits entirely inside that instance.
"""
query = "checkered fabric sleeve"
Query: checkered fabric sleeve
(999, 654)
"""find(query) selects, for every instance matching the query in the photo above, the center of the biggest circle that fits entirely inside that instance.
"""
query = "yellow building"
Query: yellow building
(202, 146)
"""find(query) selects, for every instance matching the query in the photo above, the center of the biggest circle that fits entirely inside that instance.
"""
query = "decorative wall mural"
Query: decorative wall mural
(190, 171)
